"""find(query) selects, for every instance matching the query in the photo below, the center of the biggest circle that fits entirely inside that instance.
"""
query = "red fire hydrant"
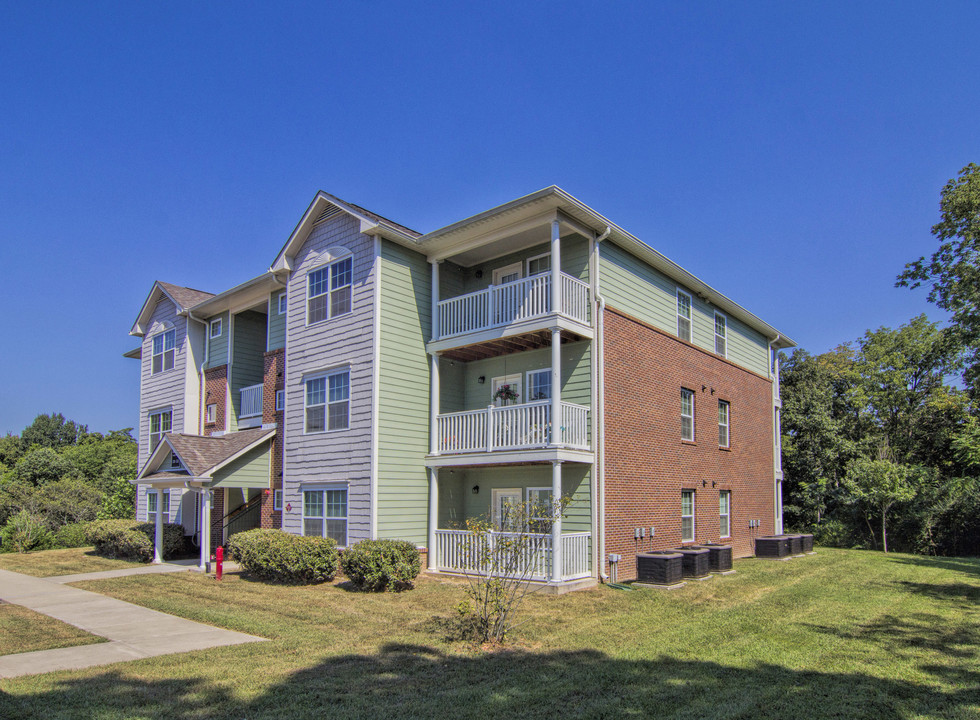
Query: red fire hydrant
(219, 556)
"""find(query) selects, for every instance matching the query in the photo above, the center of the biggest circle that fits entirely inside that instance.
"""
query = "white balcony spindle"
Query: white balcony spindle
(251, 401)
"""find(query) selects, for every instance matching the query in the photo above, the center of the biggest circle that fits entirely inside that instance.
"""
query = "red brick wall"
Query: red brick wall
(274, 379)
(646, 462)
(215, 391)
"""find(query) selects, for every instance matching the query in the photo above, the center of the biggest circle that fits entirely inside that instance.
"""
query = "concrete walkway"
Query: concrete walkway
(133, 632)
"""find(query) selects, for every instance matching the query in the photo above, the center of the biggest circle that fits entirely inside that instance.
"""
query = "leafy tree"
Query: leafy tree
(64, 502)
(53, 431)
(119, 501)
(40, 465)
(100, 460)
(878, 485)
(953, 271)
(11, 448)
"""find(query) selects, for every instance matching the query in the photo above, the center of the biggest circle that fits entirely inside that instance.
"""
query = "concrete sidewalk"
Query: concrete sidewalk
(134, 632)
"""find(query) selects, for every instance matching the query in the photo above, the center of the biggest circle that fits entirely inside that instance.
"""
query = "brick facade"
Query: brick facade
(647, 465)
(216, 393)
(274, 379)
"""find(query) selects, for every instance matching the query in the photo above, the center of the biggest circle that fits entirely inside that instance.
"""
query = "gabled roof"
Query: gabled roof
(325, 205)
(200, 455)
(182, 297)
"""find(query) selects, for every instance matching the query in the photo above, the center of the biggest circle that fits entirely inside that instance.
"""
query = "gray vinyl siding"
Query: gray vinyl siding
(164, 390)
(277, 323)
(248, 357)
(403, 422)
(218, 347)
(633, 287)
(342, 456)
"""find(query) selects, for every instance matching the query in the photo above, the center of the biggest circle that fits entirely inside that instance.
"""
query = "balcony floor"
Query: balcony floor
(511, 457)
(517, 337)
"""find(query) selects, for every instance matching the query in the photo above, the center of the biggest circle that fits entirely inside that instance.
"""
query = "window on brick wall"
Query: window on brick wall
(329, 291)
(164, 350)
(280, 400)
(721, 335)
(725, 513)
(687, 414)
(210, 413)
(724, 437)
(683, 316)
(687, 516)
(277, 499)
(160, 423)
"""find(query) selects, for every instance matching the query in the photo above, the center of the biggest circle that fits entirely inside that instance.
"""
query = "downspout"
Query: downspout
(777, 460)
(600, 411)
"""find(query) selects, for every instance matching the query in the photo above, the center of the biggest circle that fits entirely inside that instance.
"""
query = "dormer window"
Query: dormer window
(163, 352)
(329, 291)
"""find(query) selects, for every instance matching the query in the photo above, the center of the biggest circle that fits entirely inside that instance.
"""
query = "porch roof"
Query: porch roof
(200, 455)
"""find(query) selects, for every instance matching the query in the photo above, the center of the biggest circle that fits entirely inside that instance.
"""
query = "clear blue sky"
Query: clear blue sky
(791, 155)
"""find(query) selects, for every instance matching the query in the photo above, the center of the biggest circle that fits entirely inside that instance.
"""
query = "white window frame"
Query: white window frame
(277, 499)
(331, 289)
(497, 497)
(528, 262)
(323, 518)
(155, 496)
(211, 413)
(175, 463)
(283, 303)
(529, 385)
(214, 328)
(689, 318)
(506, 270)
(161, 432)
(327, 403)
(163, 352)
(724, 424)
(724, 513)
(280, 400)
(690, 415)
(532, 498)
(692, 516)
(721, 340)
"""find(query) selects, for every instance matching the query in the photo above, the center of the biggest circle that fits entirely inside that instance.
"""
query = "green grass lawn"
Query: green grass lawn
(47, 563)
(842, 634)
(23, 630)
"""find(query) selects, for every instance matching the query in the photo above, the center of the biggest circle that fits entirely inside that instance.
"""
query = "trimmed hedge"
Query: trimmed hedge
(380, 565)
(279, 556)
(130, 539)
(72, 536)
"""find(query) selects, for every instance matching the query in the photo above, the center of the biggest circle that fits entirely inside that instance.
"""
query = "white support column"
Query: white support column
(556, 434)
(434, 405)
(556, 562)
(555, 266)
(158, 530)
(435, 299)
(433, 516)
(205, 534)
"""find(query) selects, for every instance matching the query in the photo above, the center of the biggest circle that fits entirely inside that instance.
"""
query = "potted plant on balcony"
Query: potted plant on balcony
(506, 394)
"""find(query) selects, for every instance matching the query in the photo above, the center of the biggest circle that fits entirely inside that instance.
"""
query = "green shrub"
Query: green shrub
(281, 557)
(72, 536)
(379, 565)
(24, 532)
(126, 538)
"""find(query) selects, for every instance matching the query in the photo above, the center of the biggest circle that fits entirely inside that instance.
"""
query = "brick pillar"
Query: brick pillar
(215, 393)
(274, 379)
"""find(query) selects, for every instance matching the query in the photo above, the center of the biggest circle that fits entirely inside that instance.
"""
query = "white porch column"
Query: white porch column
(205, 529)
(555, 266)
(434, 404)
(435, 298)
(556, 435)
(158, 530)
(556, 563)
(433, 516)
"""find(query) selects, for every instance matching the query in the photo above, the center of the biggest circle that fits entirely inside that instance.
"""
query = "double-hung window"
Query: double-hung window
(277, 499)
(163, 352)
(280, 400)
(724, 437)
(540, 509)
(683, 316)
(160, 423)
(687, 515)
(325, 514)
(539, 385)
(687, 414)
(154, 504)
(721, 335)
(539, 264)
(725, 513)
(329, 291)
(328, 402)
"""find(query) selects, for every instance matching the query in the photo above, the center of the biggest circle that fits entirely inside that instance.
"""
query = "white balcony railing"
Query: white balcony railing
(464, 552)
(512, 427)
(251, 404)
(500, 305)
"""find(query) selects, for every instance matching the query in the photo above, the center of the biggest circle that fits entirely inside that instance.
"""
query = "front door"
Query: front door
(506, 274)
(506, 508)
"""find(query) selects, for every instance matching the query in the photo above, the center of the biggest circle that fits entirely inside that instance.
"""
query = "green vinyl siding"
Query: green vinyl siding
(630, 285)
(403, 414)
(277, 323)
(248, 357)
(251, 470)
(574, 261)
(218, 347)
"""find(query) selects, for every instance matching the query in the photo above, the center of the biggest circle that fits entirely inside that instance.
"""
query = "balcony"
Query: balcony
(518, 303)
(513, 427)
(459, 551)
(250, 413)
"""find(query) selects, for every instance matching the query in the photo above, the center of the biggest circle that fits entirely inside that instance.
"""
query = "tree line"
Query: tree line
(881, 437)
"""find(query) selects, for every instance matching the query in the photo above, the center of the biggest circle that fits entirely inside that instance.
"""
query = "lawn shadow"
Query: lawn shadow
(421, 681)
(967, 565)
(913, 632)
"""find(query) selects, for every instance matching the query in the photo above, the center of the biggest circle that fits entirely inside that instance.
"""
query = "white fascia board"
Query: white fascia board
(157, 455)
(246, 294)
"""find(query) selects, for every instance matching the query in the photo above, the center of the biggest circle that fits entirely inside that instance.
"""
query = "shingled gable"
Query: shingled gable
(327, 204)
(200, 456)
(184, 298)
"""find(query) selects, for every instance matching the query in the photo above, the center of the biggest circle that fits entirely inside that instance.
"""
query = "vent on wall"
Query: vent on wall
(327, 214)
